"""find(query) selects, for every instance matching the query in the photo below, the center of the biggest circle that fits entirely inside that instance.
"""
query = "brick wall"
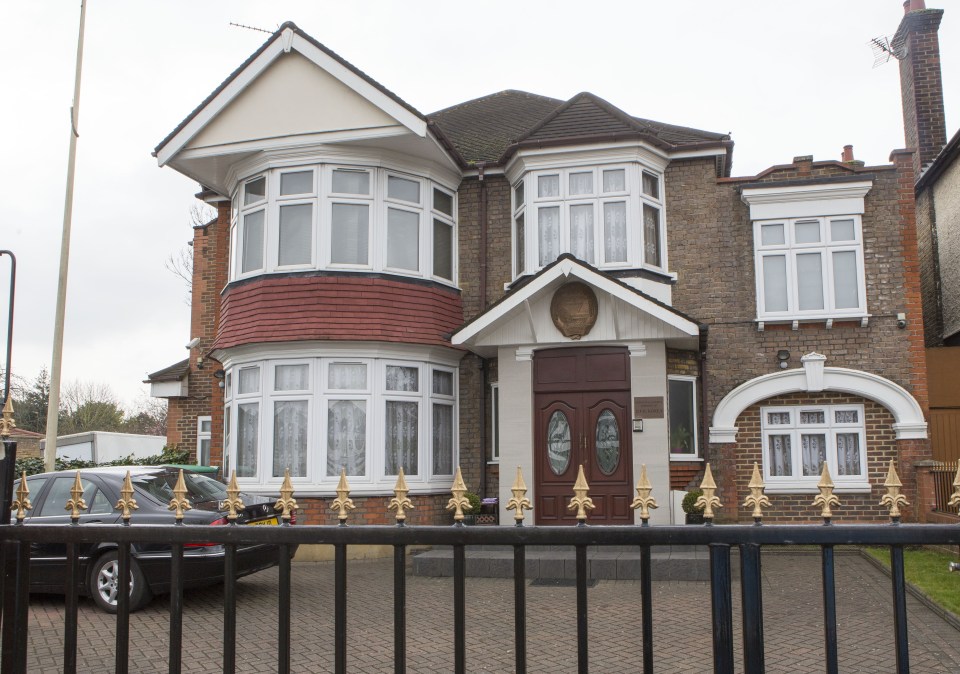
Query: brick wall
(428, 509)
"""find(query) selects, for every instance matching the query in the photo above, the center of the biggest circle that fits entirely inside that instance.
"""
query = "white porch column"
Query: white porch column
(648, 379)
(515, 370)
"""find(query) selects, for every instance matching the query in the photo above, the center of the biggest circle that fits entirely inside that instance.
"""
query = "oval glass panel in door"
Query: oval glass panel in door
(608, 442)
(558, 442)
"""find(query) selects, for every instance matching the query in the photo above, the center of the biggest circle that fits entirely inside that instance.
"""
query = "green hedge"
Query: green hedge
(34, 464)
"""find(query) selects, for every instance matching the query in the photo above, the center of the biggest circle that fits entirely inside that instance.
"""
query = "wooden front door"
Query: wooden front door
(582, 417)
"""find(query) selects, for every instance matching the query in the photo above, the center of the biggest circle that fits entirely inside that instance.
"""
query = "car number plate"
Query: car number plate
(272, 520)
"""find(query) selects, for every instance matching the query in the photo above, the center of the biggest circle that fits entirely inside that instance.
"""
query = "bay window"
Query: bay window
(607, 216)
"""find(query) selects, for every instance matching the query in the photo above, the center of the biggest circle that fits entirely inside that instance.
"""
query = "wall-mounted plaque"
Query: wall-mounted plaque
(648, 408)
(574, 309)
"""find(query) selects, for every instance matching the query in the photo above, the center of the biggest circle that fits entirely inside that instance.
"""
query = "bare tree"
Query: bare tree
(89, 406)
(180, 263)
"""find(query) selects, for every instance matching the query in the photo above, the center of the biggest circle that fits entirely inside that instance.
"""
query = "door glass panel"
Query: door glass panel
(558, 442)
(608, 442)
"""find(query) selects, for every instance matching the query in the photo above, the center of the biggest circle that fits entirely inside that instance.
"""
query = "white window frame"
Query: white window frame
(790, 249)
(799, 483)
(694, 432)
(239, 227)
(201, 436)
(495, 423)
(447, 220)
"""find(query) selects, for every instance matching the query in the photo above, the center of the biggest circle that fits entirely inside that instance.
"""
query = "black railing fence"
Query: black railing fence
(721, 540)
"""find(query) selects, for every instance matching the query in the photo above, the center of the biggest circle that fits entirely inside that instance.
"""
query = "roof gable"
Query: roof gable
(583, 115)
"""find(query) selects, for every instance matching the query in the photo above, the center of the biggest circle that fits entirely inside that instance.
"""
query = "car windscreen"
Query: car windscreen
(200, 488)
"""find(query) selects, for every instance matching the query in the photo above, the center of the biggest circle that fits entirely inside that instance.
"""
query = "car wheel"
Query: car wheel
(104, 583)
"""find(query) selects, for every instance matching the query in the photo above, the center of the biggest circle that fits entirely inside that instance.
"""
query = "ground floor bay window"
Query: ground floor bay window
(315, 417)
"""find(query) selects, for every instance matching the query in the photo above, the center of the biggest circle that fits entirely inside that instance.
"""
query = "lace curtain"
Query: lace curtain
(347, 376)
(347, 437)
(581, 231)
(581, 183)
(549, 220)
(780, 461)
(290, 438)
(401, 378)
(442, 439)
(248, 425)
(401, 437)
(848, 454)
(615, 232)
(651, 235)
(291, 378)
(814, 453)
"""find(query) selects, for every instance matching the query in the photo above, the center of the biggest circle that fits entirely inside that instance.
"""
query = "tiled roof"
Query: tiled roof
(174, 372)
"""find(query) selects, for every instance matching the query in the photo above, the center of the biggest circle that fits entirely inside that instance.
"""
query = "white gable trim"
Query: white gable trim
(799, 201)
(568, 268)
(909, 423)
(287, 40)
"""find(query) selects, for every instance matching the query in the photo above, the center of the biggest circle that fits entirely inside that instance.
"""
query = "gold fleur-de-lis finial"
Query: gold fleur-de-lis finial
(179, 503)
(519, 500)
(580, 500)
(6, 421)
(709, 500)
(22, 503)
(757, 498)
(233, 502)
(459, 500)
(643, 499)
(76, 503)
(399, 502)
(955, 498)
(343, 503)
(826, 498)
(893, 499)
(286, 504)
(127, 503)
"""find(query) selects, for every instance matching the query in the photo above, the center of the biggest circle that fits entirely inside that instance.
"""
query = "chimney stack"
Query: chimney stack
(847, 153)
(921, 86)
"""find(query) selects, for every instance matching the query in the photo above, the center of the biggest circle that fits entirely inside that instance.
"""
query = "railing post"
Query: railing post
(899, 608)
(752, 608)
(829, 610)
(520, 607)
(722, 606)
(646, 607)
(583, 655)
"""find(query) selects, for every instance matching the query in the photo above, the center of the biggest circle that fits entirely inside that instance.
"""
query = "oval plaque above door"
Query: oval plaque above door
(558, 442)
(608, 442)
(574, 309)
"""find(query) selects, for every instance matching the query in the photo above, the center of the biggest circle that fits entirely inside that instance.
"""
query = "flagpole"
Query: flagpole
(53, 406)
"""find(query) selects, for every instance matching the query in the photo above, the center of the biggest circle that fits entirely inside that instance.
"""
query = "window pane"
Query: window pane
(205, 424)
(846, 416)
(581, 231)
(842, 230)
(290, 438)
(252, 255)
(651, 235)
(204, 452)
(681, 417)
(548, 186)
(254, 191)
(292, 378)
(778, 450)
(298, 182)
(248, 428)
(249, 380)
(807, 231)
(347, 437)
(848, 454)
(349, 234)
(845, 292)
(347, 376)
(774, 283)
(351, 182)
(810, 281)
(778, 418)
(581, 183)
(521, 243)
(614, 180)
(403, 239)
(401, 437)
(615, 232)
(549, 221)
(518, 195)
(401, 378)
(296, 234)
(813, 453)
(442, 250)
(403, 189)
(772, 235)
(442, 383)
(607, 441)
(442, 202)
(558, 442)
(226, 426)
(442, 439)
(813, 417)
(651, 185)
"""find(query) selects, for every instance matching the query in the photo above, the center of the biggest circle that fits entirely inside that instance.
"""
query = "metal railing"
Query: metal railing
(945, 477)
(721, 541)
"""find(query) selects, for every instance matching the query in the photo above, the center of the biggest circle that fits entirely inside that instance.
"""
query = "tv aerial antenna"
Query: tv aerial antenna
(260, 30)
(884, 49)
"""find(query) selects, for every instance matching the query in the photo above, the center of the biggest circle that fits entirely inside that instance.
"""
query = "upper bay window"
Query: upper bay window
(343, 217)
(607, 216)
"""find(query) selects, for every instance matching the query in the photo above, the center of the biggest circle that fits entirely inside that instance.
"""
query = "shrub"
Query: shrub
(474, 508)
(689, 504)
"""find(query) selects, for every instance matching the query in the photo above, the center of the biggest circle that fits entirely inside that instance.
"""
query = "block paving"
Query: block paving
(793, 625)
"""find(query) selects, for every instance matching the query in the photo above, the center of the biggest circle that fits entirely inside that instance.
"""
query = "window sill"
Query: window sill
(798, 322)
(685, 458)
(853, 488)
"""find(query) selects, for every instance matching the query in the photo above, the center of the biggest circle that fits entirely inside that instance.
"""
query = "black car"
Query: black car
(149, 563)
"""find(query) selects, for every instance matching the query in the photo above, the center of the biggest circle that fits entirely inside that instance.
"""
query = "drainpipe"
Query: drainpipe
(484, 374)
(702, 366)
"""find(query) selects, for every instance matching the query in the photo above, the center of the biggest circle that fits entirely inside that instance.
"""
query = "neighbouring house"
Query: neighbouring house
(106, 446)
(523, 281)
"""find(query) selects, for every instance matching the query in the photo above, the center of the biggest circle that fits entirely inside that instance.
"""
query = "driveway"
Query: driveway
(682, 641)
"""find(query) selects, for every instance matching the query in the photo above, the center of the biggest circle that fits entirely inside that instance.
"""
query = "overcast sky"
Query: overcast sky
(785, 78)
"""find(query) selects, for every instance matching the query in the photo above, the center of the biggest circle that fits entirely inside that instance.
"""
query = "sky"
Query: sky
(786, 78)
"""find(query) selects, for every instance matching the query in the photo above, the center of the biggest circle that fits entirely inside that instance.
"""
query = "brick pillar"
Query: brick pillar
(921, 87)
(926, 499)
(911, 453)
(723, 465)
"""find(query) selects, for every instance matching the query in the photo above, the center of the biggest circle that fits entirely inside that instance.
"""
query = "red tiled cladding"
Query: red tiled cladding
(287, 309)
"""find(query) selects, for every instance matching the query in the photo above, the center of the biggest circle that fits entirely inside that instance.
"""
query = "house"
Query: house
(523, 281)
